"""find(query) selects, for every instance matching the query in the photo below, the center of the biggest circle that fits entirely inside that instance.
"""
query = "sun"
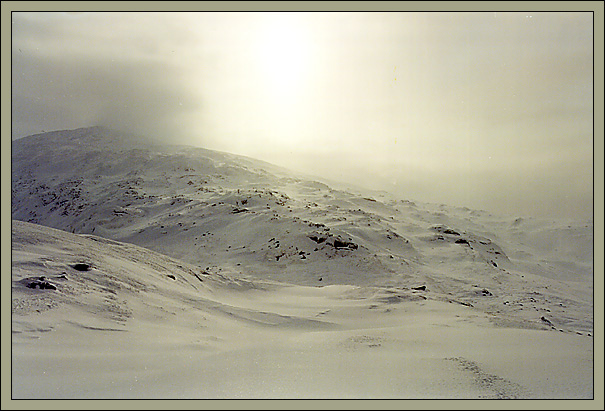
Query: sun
(283, 54)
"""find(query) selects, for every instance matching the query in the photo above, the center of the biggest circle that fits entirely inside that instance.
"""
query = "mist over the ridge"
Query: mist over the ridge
(484, 110)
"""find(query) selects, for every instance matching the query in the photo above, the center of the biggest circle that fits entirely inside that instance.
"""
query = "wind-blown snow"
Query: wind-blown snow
(246, 280)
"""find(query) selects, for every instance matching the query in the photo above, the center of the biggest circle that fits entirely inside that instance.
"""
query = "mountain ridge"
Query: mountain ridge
(221, 211)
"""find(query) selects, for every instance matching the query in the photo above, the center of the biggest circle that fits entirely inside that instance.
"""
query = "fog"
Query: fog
(484, 110)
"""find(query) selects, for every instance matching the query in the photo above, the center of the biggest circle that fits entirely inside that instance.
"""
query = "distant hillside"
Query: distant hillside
(252, 220)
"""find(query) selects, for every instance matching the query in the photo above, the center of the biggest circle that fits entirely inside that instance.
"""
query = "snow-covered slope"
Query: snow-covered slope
(224, 212)
(93, 318)
(261, 245)
(99, 280)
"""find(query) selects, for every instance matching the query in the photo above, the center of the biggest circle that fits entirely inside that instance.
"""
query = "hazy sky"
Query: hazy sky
(484, 110)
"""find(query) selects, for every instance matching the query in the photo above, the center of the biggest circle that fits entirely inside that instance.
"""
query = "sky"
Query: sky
(487, 110)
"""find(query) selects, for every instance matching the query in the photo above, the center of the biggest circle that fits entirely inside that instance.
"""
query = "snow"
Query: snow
(218, 276)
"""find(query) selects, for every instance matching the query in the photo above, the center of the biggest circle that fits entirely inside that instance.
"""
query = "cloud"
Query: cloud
(68, 75)
(463, 107)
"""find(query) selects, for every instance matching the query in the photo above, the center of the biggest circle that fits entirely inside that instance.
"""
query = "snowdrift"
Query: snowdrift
(278, 285)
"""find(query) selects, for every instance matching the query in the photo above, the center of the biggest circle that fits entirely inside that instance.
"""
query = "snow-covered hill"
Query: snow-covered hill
(93, 318)
(227, 222)
(256, 221)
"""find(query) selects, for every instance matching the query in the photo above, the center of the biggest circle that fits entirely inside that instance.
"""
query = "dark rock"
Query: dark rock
(42, 285)
(486, 292)
(81, 267)
(171, 276)
(445, 230)
(339, 243)
(546, 320)
(421, 288)
(318, 239)
(462, 241)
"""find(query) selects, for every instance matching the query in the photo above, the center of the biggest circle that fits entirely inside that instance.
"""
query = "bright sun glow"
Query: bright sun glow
(283, 56)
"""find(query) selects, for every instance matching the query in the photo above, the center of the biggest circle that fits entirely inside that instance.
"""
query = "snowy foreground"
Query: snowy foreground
(185, 273)
(141, 325)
